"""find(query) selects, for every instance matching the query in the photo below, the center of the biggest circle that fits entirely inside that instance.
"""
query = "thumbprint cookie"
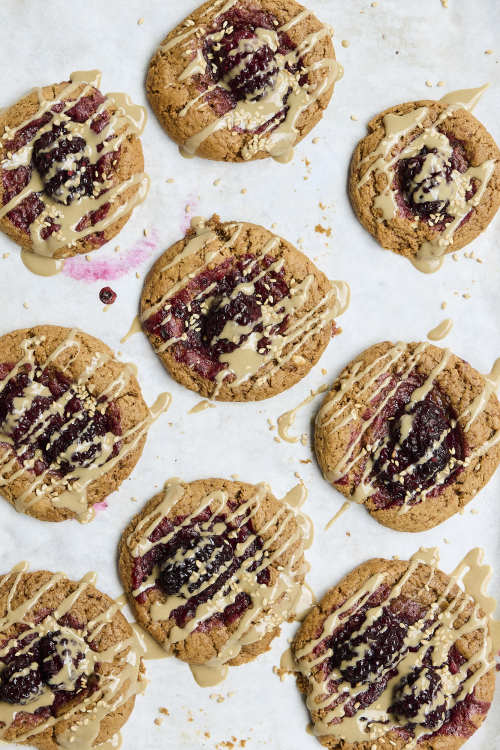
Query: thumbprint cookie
(212, 569)
(70, 663)
(71, 166)
(73, 422)
(238, 314)
(425, 181)
(410, 431)
(400, 655)
(244, 79)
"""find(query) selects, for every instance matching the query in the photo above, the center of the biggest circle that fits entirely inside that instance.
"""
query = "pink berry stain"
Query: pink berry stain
(110, 269)
(98, 507)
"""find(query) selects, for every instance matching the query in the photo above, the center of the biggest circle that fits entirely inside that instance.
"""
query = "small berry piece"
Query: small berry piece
(107, 295)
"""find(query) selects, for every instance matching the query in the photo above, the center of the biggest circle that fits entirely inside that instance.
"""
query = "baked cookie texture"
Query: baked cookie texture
(70, 665)
(397, 655)
(71, 166)
(73, 422)
(236, 313)
(425, 181)
(243, 80)
(212, 568)
(410, 431)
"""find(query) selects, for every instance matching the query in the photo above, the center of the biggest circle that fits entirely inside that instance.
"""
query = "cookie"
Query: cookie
(237, 313)
(73, 422)
(410, 431)
(212, 568)
(70, 663)
(399, 655)
(71, 166)
(243, 80)
(425, 181)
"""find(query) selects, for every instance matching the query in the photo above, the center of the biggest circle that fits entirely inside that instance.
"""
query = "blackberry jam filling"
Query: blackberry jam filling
(423, 446)
(368, 654)
(195, 318)
(60, 158)
(425, 183)
(62, 165)
(422, 687)
(245, 52)
(381, 644)
(198, 562)
(51, 423)
(54, 662)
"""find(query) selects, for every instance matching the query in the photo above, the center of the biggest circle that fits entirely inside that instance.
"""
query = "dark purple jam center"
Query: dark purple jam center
(244, 65)
(427, 449)
(67, 174)
(383, 647)
(208, 555)
(408, 186)
(42, 433)
(199, 316)
(25, 676)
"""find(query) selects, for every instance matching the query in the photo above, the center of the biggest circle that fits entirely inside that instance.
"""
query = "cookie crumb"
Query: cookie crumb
(323, 230)
(488, 51)
(216, 182)
(443, 305)
(345, 42)
(140, 21)
(243, 191)
(315, 140)
(428, 84)
(217, 697)
(158, 722)
(5, 255)
(117, 249)
(354, 117)
(323, 371)
(26, 306)
(170, 180)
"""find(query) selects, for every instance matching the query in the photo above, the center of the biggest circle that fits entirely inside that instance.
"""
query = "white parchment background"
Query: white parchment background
(394, 48)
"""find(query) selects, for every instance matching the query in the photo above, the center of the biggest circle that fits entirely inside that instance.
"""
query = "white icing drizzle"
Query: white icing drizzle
(127, 119)
(383, 160)
(441, 330)
(250, 114)
(462, 609)
(247, 359)
(271, 604)
(120, 677)
(68, 492)
(286, 420)
(371, 381)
